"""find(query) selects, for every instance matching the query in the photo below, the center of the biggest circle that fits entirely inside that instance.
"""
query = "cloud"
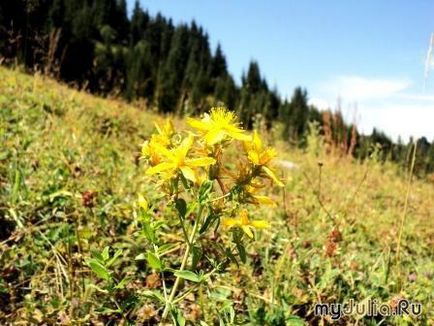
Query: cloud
(388, 104)
(358, 88)
(320, 103)
(397, 119)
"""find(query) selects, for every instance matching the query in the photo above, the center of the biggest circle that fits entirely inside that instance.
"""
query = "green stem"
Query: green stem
(183, 264)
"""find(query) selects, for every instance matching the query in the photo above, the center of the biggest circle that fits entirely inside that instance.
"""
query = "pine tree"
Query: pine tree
(295, 115)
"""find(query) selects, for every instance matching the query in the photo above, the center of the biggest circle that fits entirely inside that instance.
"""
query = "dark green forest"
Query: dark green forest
(95, 45)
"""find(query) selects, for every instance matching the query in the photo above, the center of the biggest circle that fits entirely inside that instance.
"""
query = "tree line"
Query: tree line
(95, 45)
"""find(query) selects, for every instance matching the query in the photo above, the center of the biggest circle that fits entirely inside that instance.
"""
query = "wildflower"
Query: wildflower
(256, 152)
(150, 151)
(176, 160)
(217, 126)
(164, 133)
(260, 156)
(244, 223)
(166, 130)
(161, 138)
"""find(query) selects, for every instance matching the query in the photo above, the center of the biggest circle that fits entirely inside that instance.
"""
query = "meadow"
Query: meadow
(74, 246)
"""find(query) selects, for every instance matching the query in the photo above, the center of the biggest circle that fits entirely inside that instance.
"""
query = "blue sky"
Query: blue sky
(370, 54)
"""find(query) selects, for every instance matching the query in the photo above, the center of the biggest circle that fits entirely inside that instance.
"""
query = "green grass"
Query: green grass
(69, 178)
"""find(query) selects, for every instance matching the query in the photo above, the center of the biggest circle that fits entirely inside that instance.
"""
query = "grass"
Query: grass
(69, 178)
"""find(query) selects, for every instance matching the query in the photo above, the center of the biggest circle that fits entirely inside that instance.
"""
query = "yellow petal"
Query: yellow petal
(158, 148)
(143, 203)
(185, 145)
(264, 200)
(244, 218)
(239, 135)
(247, 231)
(158, 128)
(214, 136)
(146, 149)
(260, 224)
(247, 146)
(253, 157)
(267, 156)
(272, 176)
(168, 127)
(202, 161)
(160, 168)
(188, 173)
(257, 141)
(230, 222)
(198, 124)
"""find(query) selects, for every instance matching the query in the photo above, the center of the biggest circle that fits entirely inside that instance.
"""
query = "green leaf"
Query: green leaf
(181, 207)
(178, 317)
(153, 261)
(242, 252)
(114, 258)
(99, 269)
(122, 283)
(153, 295)
(188, 275)
(208, 222)
(163, 249)
(204, 190)
(197, 254)
(105, 253)
(96, 254)
(148, 230)
(295, 321)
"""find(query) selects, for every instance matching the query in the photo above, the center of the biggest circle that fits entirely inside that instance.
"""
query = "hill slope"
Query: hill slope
(69, 178)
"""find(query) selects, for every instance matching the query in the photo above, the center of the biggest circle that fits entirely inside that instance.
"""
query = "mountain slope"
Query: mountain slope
(70, 175)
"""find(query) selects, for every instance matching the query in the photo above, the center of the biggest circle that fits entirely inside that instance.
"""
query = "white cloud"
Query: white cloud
(384, 103)
(357, 88)
(397, 119)
(320, 103)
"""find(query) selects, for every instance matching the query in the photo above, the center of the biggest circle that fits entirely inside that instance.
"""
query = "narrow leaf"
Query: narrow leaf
(99, 269)
(153, 261)
(114, 258)
(181, 207)
(197, 255)
(105, 253)
(188, 275)
(242, 252)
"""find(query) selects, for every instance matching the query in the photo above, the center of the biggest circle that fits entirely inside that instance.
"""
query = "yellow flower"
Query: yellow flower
(150, 151)
(176, 161)
(218, 126)
(256, 152)
(167, 129)
(261, 156)
(244, 223)
(150, 148)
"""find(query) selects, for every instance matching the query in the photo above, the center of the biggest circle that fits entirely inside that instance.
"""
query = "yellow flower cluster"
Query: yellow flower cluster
(173, 156)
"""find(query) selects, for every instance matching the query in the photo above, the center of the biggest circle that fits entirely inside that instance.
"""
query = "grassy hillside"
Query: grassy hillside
(70, 175)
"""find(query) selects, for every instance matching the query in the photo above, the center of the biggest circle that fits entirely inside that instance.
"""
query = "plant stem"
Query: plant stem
(189, 243)
(404, 213)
